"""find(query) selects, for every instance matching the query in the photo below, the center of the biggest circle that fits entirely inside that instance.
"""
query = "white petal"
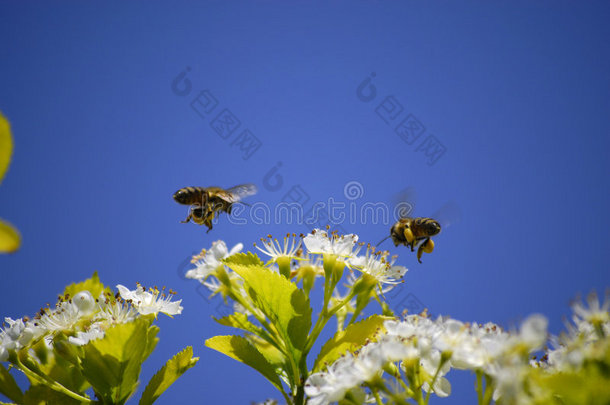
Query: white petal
(219, 250)
(236, 249)
(84, 301)
(344, 245)
(317, 243)
(533, 330)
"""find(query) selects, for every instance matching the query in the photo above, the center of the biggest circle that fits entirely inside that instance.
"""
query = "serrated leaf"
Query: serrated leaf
(240, 349)
(6, 145)
(269, 351)
(350, 339)
(8, 386)
(112, 364)
(283, 303)
(151, 340)
(240, 321)
(174, 368)
(10, 240)
(93, 285)
(244, 259)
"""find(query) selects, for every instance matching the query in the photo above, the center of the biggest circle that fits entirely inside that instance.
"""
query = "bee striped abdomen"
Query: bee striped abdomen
(190, 195)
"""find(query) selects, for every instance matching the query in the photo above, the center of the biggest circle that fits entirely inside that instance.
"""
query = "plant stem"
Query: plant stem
(479, 387)
(49, 382)
(488, 390)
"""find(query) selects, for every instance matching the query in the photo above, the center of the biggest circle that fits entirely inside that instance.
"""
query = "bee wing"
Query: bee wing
(235, 194)
(448, 214)
(403, 203)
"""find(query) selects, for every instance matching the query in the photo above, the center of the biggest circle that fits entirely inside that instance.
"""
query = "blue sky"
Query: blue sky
(506, 105)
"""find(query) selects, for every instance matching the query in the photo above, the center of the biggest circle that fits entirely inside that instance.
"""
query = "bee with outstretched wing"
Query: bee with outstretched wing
(417, 231)
(205, 202)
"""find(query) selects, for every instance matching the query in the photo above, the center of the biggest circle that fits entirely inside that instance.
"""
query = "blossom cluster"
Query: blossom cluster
(384, 358)
(422, 351)
(290, 253)
(83, 318)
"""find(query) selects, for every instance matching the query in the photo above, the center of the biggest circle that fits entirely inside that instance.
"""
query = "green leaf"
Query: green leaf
(64, 366)
(8, 386)
(240, 349)
(93, 285)
(38, 376)
(9, 238)
(174, 368)
(240, 321)
(151, 340)
(42, 395)
(6, 145)
(269, 351)
(243, 259)
(351, 339)
(112, 364)
(283, 303)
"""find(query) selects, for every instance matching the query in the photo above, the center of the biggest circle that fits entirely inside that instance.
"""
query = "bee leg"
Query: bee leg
(208, 223)
(187, 219)
(409, 237)
(426, 246)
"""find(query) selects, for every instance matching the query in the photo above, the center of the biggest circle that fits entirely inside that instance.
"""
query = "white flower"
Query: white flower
(441, 387)
(116, 312)
(455, 338)
(16, 335)
(207, 262)
(84, 301)
(331, 385)
(595, 314)
(64, 317)
(14, 329)
(378, 266)
(150, 302)
(82, 338)
(273, 248)
(319, 242)
(533, 331)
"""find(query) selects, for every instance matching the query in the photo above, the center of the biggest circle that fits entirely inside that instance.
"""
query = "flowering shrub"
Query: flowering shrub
(88, 343)
(97, 345)
(384, 358)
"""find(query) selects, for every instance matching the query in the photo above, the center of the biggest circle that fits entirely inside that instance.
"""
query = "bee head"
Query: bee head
(433, 228)
(181, 196)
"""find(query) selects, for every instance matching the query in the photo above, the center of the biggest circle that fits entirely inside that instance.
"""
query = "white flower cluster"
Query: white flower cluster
(374, 263)
(208, 264)
(208, 261)
(318, 242)
(84, 318)
(583, 339)
(434, 347)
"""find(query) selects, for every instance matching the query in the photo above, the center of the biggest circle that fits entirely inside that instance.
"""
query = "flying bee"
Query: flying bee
(411, 231)
(205, 202)
(417, 231)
